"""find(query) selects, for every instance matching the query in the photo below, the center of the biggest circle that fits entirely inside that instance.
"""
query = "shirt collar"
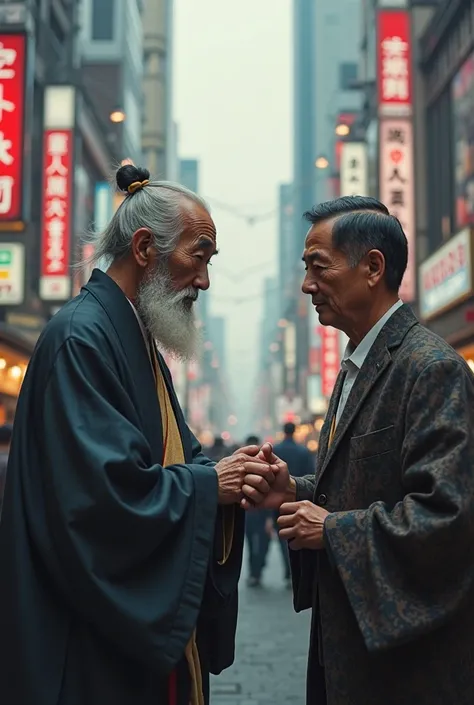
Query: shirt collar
(355, 357)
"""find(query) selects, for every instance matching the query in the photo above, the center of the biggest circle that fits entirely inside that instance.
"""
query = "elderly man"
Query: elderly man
(120, 543)
(382, 535)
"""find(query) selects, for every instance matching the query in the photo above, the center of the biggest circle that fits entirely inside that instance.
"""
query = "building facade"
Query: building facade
(112, 45)
(157, 122)
(56, 146)
(445, 273)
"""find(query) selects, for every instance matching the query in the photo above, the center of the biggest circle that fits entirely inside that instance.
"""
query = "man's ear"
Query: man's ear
(142, 242)
(375, 266)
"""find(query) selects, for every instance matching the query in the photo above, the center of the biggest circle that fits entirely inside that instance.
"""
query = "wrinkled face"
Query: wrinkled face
(339, 292)
(169, 288)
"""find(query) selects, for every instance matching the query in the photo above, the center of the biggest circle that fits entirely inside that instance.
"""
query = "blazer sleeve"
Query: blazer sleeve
(305, 487)
(408, 569)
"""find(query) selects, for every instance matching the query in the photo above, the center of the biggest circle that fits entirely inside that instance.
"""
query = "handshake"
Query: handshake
(254, 477)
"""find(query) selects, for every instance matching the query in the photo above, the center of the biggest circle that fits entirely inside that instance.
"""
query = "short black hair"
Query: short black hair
(289, 428)
(252, 441)
(362, 224)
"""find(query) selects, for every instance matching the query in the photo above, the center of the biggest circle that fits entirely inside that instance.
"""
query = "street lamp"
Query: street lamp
(117, 115)
(321, 163)
(342, 130)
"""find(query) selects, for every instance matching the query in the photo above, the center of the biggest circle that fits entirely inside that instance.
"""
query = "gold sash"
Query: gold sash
(174, 455)
(332, 431)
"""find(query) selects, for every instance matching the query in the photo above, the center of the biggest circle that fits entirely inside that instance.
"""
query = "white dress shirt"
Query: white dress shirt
(354, 358)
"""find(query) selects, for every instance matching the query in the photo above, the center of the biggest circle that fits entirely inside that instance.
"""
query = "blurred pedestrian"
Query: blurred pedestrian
(120, 542)
(300, 462)
(258, 534)
(383, 533)
(218, 450)
(5, 439)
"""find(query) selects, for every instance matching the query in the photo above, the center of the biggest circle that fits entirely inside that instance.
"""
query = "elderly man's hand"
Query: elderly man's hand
(302, 524)
(281, 490)
(231, 472)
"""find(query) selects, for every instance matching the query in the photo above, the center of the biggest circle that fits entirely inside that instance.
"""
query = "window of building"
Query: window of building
(103, 13)
(347, 75)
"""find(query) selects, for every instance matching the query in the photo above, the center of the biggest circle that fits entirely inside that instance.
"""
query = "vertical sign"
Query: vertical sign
(57, 197)
(12, 119)
(330, 362)
(394, 81)
(397, 188)
(354, 178)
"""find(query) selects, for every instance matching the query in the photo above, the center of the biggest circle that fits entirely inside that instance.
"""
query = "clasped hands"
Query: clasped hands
(256, 478)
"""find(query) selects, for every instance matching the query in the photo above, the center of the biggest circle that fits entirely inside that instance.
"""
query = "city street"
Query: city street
(272, 646)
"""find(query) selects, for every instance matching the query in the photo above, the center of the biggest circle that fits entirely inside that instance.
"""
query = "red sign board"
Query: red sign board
(394, 62)
(314, 361)
(56, 216)
(12, 114)
(330, 359)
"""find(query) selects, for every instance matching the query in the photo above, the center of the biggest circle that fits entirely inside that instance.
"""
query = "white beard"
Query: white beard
(168, 315)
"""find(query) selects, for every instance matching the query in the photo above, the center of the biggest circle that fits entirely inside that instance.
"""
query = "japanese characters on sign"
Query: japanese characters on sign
(394, 62)
(354, 169)
(57, 186)
(397, 187)
(330, 358)
(12, 107)
(446, 276)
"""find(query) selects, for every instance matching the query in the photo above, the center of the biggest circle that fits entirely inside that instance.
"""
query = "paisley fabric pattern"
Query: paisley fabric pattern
(393, 592)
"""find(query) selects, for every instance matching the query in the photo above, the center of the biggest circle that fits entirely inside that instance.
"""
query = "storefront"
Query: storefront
(15, 352)
(447, 58)
(446, 293)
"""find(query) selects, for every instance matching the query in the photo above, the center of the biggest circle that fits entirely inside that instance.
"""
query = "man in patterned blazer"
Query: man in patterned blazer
(383, 534)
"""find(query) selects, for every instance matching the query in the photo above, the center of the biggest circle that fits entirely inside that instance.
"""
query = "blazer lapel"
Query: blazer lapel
(375, 364)
(123, 318)
(367, 377)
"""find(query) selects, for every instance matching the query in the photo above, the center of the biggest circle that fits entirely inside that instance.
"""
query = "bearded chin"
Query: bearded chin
(168, 316)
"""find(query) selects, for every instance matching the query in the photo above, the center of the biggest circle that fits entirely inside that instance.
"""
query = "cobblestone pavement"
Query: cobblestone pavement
(272, 645)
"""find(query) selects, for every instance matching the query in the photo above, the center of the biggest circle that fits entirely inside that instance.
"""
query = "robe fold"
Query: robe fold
(109, 559)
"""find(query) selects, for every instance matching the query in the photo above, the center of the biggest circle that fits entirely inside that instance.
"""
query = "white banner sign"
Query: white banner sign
(12, 273)
(397, 188)
(446, 277)
(354, 169)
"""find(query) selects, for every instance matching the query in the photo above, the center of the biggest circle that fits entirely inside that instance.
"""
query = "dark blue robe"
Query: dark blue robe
(108, 561)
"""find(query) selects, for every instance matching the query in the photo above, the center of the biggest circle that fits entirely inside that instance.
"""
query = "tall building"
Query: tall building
(336, 35)
(157, 119)
(189, 174)
(112, 50)
(286, 237)
(304, 115)
(54, 148)
(217, 334)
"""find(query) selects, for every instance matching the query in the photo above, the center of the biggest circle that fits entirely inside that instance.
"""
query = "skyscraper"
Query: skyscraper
(304, 115)
(157, 59)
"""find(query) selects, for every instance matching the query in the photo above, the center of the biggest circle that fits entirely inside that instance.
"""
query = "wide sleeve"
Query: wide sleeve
(226, 561)
(132, 540)
(218, 617)
(408, 569)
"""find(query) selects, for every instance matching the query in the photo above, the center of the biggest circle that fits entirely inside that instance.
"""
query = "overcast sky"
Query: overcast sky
(232, 102)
